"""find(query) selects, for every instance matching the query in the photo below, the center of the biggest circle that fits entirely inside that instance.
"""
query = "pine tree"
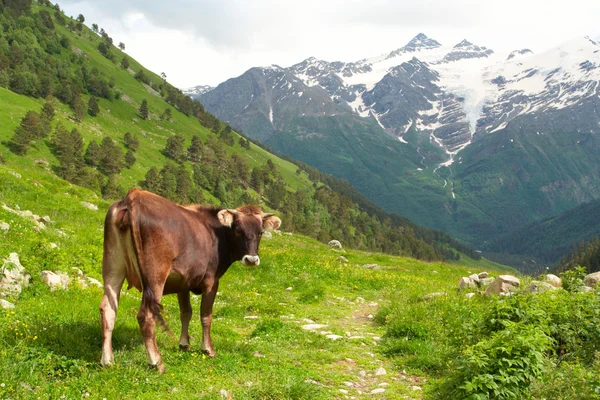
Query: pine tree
(129, 159)
(93, 107)
(144, 109)
(131, 142)
(111, 190)
(174, 148)
(92, 154)
(78, 108)
(111, 157)
(195, 150)
(166, 115)
(48, 109)
(184, 183)
(26, 132)
(68, 147)
(151, 181)
(168, 182)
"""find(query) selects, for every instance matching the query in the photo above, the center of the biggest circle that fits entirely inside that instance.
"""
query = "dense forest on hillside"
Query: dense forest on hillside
(586, 254)
(38, 59)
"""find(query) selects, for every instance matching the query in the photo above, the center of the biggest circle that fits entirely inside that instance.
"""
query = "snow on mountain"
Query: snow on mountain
(471, 89)
(197, 91)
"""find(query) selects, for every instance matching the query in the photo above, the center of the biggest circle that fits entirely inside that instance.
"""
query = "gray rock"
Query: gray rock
(553, 280)
(54, 280)
(93, 282)
(592, 279)
(475, 278)
(334, 244)
(380, 371)
(482, 275)
(10, 289)
(585, 289)
(90, 206)
(378, 391)
(540, 287)
(435, 294)
(13, 272)
(6, 304)
(469, 295)
(45, 219)
(267, 235)
(485, 282)
(465, 282)
(4, 226)
(342, 259)
(15, 174)
(371, 266)
(504, 284)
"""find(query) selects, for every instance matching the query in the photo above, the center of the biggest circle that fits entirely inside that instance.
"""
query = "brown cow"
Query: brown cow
(163, 248)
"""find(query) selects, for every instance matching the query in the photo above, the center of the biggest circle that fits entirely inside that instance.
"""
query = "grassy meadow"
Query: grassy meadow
(50, 343)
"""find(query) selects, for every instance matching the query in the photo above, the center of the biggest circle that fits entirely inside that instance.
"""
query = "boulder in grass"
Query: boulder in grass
(540, 287)
(335, 244)
(483, 275)
(54, 280)
(553, 280)
(475, 278)
(504, 284)
(485, 282)
(6, 304)
(89, 206)
(592, 280)
(465, 282)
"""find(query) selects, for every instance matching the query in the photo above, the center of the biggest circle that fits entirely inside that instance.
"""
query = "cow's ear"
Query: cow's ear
(226, 217)
(271, 222)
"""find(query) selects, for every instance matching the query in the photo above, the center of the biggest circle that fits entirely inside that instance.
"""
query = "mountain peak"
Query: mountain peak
(421, 41)
(418, 43)
(463, 43)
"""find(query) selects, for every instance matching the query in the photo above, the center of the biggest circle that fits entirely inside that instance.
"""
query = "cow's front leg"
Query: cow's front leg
(208, 298)
(185, 314)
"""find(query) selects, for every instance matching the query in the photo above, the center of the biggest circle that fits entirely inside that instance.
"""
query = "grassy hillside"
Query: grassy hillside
(51, 340)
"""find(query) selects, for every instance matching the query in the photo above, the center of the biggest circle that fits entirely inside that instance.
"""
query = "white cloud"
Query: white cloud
(208, 41)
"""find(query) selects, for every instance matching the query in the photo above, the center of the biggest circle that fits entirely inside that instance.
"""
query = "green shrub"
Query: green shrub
(501, 367)
(572, 279)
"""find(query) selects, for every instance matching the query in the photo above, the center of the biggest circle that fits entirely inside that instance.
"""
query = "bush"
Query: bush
(501, 367)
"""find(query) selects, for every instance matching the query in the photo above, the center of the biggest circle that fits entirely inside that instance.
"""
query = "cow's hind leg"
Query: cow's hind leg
(147, 315)
(185, 314)
(209, 293)
(113, 274)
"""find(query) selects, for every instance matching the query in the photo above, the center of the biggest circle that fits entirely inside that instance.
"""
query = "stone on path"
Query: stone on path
(313, 327)
(380, 371)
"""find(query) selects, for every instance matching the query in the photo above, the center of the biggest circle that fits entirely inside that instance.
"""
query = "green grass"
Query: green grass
(50, 344)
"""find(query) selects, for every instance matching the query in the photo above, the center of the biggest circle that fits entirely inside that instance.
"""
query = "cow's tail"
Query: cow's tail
(149, 301)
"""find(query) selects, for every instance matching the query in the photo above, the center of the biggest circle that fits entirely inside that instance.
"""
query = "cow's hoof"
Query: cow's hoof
(160, 367)
(184, 347)
(210, 353)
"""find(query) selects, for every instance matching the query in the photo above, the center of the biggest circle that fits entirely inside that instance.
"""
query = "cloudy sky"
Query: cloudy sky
(208, 41)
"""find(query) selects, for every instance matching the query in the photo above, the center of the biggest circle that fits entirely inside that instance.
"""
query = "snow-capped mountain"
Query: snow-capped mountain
(460, 120)
(197, 91)
(459, 91)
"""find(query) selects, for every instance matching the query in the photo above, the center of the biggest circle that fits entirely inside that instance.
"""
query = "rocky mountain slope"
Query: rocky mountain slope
(450, 136)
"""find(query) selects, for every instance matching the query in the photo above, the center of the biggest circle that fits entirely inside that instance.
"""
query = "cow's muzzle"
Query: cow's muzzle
(250, 260)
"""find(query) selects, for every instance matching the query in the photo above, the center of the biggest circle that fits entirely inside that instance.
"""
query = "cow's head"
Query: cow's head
(247, 224)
